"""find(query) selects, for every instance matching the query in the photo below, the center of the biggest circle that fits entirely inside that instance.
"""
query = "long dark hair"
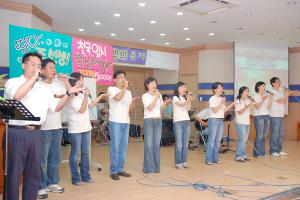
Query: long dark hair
(241, 90)
(177, 86)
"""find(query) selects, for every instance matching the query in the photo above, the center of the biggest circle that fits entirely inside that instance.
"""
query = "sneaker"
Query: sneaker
(276, 154)
(115, 177)
(42, 194)
(247, 159)
(208, 163)
(218, 162)
(89, 181)
(125, 174)
(240, 160)
(185, 165)
(55, 188)
(79, 183)
(283, 153)
(179, 166)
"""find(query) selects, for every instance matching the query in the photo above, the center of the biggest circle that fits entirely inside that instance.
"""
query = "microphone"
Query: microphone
(267, 91)
(223, 94)
(251, 99)
(42, 76)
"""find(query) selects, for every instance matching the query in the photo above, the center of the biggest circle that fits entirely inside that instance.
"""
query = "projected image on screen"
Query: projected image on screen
(259, 63)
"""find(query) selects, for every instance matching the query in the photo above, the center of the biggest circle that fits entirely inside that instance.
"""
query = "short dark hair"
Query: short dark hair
(147, 81)
(216, 85)
(164, 96)
(273, 80)
(77, 77)
(177, 86)
(241, 90)
(31, 54)
(46, 61)
(258, 84)
(118, 72)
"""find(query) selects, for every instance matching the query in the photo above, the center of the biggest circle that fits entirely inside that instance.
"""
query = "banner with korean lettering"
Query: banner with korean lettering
(129, 55)
(49, 44)
(93, 59)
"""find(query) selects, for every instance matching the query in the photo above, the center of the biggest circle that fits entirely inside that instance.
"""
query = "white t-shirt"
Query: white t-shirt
(204, 114)
(263, 110)
(277, 109)
(53, 119)
(38, 100)
(180, 113)
(245, 117)
(147, 99)
(119, 110)
(213, 102)
(78, 122)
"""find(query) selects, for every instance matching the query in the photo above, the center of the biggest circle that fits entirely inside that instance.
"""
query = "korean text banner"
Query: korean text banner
(93, 59)
(49, 44)
(129, 55)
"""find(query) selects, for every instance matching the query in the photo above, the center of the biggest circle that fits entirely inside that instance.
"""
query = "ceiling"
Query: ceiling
(275, 22)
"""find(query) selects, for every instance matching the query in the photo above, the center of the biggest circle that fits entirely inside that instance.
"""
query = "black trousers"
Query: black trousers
(23, 160)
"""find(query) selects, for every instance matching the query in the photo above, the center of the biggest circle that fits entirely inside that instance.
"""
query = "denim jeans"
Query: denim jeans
(118, 146)
(243, 133)
(262, 123)
(182, 136)
(50, 156)
(277, 134)
(80, 142)
(152, 136)
(216, 128)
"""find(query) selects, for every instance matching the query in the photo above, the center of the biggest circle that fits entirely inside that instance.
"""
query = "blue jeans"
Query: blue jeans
(216, 128)
(182, 136)
(80, 142)
(262, 123)
(277, 134)
(50, 156)
(118, 146)
(152, 136)
(243, 133)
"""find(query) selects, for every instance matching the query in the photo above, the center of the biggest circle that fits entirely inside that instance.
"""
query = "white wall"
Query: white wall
(16, 18)
(216, 65)
(165, 76)
(162, 60)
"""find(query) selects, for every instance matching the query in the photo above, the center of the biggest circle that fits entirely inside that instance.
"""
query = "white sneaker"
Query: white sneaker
(276, 154)
(55, 188)
(283, 153)
(185, 165)
(42, 194)
(179, 166)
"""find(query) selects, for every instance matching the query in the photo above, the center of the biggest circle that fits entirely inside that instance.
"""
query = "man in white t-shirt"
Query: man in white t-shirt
(24, 150)
(120, 103)
(280, 98)
(51, 134)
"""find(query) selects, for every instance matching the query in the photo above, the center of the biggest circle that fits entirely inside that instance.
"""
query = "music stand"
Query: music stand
(228, 118)
(12, 109)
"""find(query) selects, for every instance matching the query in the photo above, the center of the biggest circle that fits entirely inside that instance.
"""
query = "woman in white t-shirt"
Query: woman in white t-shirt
(262, 105)
(216, 123)
(79, 127)
(181, 123)
(242, 119)
(153, 105)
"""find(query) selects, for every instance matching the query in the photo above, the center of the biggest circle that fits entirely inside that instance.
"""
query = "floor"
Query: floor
(255, 179)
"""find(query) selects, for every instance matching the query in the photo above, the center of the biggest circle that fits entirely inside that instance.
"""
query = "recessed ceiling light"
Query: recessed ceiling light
(239, 28)
(97, 23)
(117, 15)
(248, 13)
(179, 13)
(186, 28)
(113, 34)
(130, 29)
(213, 21)
(142, 4)
(291, 3)
(187, 39)
(162, 34)
(143, 39)
(80, 29)
(167, 43)
(261, 34)
(152, 22)
(211, 34)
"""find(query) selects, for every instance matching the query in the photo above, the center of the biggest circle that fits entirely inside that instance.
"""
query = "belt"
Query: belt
(28, 127)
